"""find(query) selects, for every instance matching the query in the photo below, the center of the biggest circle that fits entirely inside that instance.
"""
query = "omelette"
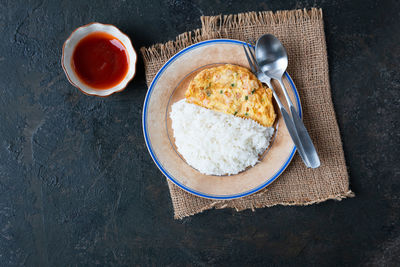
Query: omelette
(233, 90)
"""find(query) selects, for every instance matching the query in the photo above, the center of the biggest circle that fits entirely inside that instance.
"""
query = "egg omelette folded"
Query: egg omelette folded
(233, 90)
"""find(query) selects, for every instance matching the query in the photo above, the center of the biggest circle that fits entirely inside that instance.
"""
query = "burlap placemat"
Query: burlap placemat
(302, 33)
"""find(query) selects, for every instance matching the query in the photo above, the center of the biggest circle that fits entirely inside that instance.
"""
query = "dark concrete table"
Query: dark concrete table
(78, 187)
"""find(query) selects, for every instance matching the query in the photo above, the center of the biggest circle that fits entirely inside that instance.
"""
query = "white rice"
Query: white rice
(216, 143)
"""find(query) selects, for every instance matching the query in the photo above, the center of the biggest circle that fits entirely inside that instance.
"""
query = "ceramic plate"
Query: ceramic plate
(169, 86)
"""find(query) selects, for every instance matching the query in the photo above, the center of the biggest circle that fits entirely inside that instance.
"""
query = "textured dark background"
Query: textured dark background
(78, 187)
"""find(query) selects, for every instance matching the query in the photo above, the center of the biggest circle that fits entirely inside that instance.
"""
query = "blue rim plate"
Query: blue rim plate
(164, 169)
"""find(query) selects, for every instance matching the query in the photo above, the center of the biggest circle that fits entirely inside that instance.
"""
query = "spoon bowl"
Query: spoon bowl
(271, 56)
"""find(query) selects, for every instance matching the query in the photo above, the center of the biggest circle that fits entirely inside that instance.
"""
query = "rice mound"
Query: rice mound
(216, 143)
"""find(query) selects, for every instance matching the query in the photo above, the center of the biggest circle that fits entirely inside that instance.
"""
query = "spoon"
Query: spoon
(272, 59)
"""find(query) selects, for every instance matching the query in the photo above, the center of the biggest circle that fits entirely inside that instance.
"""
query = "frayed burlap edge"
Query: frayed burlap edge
(170, 48)
(156, 55)
(337, 197)
(213, 27)
(218, 23)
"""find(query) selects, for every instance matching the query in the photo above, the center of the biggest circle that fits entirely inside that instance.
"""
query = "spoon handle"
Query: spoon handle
(290, 126)
(304, 138)
(288, 100)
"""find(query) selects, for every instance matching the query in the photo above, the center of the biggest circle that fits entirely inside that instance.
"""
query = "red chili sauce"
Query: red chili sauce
(100, 60)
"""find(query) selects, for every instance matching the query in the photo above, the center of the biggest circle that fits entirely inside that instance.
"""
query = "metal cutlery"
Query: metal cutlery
(286, 117)
(272, 59)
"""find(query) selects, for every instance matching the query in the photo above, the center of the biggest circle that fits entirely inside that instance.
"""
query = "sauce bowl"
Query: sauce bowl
(70, 45)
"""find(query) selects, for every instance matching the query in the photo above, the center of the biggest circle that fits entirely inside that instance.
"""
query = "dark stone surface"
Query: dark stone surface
(78, 187)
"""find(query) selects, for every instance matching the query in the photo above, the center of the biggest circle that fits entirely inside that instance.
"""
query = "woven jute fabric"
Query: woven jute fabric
(302, 34)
